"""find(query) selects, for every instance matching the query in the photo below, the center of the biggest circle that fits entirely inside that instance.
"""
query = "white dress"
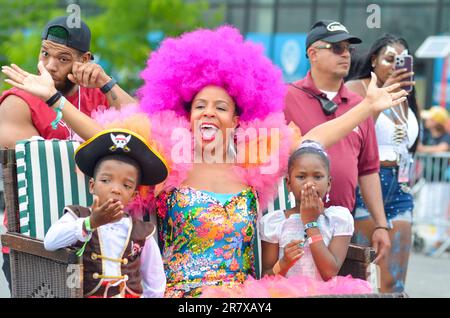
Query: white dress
(275, 228)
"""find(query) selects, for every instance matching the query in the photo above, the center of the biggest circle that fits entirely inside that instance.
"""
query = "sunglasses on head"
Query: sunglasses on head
(337, 48)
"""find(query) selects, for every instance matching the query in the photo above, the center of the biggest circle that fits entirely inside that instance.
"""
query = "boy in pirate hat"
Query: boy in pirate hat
(119, 252)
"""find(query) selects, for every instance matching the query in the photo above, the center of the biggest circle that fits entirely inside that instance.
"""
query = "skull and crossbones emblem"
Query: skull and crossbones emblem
(120, 141)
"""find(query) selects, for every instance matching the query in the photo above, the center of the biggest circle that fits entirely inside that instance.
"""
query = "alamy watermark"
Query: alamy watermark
(74, 278)
(245, 147)
(74, 19)
(374, 19)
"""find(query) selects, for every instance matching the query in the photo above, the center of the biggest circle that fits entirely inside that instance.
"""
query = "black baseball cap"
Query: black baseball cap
(331, 32)
(66, 31)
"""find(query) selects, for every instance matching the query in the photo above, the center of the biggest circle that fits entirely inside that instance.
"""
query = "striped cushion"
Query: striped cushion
(47, 181)
(283, 201)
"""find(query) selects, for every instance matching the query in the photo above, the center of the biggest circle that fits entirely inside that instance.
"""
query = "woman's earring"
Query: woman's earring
(327, 198)
(231, 147)
(291, 198)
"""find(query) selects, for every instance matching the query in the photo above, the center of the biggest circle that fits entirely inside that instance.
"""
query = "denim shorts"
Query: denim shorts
(398, 202)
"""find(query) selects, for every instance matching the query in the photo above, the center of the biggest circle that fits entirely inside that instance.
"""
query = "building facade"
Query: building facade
(413, 20)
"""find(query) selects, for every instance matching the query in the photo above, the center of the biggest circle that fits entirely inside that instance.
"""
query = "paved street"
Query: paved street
(427, 276)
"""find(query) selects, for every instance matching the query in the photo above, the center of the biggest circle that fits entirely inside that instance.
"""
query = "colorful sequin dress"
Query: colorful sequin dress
(205, 242)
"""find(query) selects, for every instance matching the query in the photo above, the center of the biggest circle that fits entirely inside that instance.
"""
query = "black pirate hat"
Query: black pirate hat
(122, 142)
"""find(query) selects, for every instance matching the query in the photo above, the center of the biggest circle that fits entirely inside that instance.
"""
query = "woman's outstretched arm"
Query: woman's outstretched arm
(43, 87)
(376, 100)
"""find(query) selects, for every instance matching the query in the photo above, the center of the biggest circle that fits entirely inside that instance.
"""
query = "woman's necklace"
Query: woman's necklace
(401, 128)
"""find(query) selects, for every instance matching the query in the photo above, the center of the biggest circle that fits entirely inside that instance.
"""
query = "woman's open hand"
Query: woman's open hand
(41, 86)
(384, 97)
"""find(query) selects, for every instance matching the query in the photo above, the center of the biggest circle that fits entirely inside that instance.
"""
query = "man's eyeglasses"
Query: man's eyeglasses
(337, 48)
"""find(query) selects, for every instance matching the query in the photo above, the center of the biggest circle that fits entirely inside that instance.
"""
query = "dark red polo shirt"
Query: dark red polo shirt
(355, 155)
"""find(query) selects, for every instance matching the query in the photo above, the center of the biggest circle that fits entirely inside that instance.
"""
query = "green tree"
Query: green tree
(120, 30)
(120, 33)
(21, 24)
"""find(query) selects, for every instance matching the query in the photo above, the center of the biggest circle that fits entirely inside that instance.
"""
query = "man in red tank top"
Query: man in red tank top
(65, 53)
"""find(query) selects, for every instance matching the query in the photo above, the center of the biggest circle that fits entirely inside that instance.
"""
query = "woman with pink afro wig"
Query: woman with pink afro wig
(181, 67)
(212, 105)
(221, 86)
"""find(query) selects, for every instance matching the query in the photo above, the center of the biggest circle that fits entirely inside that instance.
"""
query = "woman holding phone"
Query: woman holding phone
(397, 131)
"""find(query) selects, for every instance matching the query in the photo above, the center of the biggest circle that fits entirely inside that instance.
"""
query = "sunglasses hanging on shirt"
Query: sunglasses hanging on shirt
(328, 106)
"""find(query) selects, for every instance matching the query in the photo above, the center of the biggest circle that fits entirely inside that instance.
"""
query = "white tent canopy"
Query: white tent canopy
(436, 46)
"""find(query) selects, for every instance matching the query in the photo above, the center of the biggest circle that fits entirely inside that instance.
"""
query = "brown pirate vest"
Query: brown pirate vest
(92, 263)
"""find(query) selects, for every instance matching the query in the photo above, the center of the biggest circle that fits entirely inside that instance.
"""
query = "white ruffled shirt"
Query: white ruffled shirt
(68, 230)
(274, 227)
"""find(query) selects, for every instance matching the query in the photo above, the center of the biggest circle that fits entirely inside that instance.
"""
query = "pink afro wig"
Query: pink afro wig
(182, 66)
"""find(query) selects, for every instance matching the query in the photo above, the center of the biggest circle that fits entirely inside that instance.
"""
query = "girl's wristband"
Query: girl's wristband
(314, 239)
(311, 225)
(276, 268)
(381, 227)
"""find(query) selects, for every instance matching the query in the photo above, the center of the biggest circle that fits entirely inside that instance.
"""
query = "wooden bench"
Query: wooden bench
(35, 272)
(38, 273)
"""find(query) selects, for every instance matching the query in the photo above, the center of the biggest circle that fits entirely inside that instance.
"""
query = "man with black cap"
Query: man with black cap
(321, 96)
(65, 54)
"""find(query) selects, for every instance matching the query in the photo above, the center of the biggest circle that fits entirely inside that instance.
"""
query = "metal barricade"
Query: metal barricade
(431, 191)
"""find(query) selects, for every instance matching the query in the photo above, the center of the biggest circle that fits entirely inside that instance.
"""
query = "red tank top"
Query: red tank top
(42, 115)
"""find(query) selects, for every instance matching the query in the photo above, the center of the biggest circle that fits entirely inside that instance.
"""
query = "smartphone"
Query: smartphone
(405, 61)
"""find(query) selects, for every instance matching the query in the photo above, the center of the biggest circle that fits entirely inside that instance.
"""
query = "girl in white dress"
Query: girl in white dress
(303, 248)
(306, 240)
